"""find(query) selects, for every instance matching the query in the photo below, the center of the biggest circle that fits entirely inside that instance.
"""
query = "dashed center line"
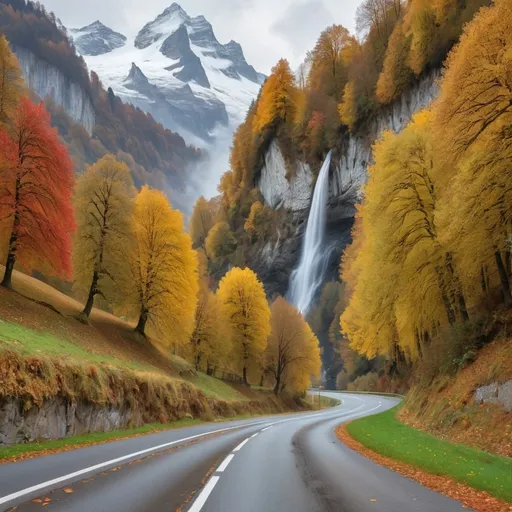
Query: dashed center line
(241, 445)
(254, 435)
(225, 463)
(201, 499)
(266, 428)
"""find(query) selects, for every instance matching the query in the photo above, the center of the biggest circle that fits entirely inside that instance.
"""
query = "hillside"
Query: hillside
(92, 120)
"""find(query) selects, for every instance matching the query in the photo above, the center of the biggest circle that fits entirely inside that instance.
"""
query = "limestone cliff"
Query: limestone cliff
(291, 197)
(48, 81)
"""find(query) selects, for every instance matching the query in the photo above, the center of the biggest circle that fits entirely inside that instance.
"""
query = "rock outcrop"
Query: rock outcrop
(292, 196)
(48, 81)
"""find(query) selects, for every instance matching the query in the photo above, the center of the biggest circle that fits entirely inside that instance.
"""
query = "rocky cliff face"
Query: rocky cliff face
(292, 197)
(47, 81)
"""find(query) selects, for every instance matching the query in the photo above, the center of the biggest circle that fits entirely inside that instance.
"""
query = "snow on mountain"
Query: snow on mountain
(176, 69)
(97, 39)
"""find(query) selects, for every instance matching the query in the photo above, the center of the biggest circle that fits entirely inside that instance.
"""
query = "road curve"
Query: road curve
(291, 463)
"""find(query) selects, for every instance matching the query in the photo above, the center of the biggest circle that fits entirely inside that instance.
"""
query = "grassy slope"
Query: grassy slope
(447, 408)
(386, 435)
(31, 328)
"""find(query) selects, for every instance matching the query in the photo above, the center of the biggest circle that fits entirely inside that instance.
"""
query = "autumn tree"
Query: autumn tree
(11, 81)
(211, 339)
(103, 206)
(202, 220)
(220, 242)
(258, 222)
(475, 113)
(329, 61)
(245, 306)
(163, 268)
(36, 178)
(277, 101)
(396, 74)
(406, 281)
(293, 354)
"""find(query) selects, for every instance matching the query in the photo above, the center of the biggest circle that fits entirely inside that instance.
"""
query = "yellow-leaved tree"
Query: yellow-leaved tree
(202, 220)
(474, 114)
(220, 242)
(330, 60)
(11, 81)
(211, 340)
(163, 269)
(292, 356)
(258, 222)
(277, 103)
(104, 200)
(245, 306)
(405, 281)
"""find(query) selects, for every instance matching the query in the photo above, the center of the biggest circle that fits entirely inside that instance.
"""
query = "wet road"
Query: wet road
(290, 463)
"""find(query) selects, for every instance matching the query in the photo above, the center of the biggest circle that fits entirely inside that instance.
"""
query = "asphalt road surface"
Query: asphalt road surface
(287, 463)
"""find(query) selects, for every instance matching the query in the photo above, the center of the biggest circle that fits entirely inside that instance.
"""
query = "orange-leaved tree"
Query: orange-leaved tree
(245, 306)
(36, 183)
(293, 355)
(164, 269)
(277, 103)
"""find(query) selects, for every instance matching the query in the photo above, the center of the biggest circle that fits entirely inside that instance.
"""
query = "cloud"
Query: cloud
(301, 24)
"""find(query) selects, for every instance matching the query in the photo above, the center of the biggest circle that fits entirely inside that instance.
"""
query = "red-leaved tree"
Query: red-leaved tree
(36, 183)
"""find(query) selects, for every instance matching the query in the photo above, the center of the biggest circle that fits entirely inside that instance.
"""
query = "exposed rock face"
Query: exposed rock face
(495, 393)
(279, 257)
(97, 39)
(279, 192)
(47, 81)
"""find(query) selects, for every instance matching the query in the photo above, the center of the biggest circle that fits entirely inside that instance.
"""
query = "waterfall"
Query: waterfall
(308, 276)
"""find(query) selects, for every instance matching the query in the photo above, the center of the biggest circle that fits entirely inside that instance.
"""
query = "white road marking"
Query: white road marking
(225, 463)
(254, 435)
(241, 445)
(201, 499)
(113, 462)
(266, 428)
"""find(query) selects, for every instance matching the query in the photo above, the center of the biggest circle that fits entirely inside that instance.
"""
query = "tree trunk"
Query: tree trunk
(92, 293)
(198, 361)
(9, 267)
(505, 283)
(246, 382)
(483, 282)
(13, 241)
(278, 385)
(143, 320)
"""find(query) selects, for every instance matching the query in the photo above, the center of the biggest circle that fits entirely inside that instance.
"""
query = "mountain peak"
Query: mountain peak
(97, 39)
(164, 25)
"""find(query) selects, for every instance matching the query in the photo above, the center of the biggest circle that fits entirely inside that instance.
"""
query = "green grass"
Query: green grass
(216, 388)
(18, 450)
(29, 342)
(386, 435)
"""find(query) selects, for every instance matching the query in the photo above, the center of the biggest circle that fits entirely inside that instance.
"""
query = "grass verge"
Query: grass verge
(23, 451)
(386, 435)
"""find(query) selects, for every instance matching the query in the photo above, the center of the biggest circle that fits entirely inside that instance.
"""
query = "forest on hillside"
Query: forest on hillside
(154, 154)
(125, 249)
(426, 280)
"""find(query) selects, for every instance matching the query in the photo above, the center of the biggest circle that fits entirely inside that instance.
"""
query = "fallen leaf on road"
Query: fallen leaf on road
(373, 500)
(68, 490)
(37, 500)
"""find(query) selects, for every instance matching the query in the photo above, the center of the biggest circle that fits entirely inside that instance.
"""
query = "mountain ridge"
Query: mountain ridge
(192, 83)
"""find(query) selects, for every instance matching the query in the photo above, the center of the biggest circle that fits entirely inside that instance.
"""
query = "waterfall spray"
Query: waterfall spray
(308, 276)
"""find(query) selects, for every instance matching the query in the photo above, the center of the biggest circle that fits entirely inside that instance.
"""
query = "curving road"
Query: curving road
(290, 463)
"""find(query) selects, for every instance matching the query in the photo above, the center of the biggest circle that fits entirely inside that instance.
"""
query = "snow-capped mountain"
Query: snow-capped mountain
(176, 69)
(97, 39)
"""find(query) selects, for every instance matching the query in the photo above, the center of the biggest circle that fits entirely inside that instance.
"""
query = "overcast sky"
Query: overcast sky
(266, 29)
